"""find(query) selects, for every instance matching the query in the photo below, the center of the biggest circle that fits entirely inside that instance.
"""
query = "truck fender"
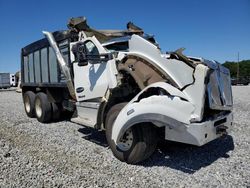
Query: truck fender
(159, 103)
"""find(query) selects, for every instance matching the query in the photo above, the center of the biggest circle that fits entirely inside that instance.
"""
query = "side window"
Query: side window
(63, 46)
(91, 48)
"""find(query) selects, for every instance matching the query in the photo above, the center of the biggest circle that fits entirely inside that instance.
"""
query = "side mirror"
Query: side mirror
(104, 57)
(79, 51)
(84, 55)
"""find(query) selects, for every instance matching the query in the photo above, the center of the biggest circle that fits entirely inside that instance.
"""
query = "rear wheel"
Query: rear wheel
(138, 142)
(43, 108)
(29, 100)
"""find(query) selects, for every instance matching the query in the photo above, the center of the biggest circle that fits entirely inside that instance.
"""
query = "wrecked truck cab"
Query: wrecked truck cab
(120, 81)
(182, 110)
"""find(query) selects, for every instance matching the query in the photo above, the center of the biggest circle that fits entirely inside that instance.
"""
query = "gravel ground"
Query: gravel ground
(65, 154)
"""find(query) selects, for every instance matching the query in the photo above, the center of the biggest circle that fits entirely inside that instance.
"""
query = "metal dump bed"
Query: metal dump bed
(39, 65)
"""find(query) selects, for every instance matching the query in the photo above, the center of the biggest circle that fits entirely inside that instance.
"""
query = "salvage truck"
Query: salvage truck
(121, 82)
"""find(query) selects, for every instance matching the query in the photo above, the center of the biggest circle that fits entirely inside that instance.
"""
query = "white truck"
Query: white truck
(120, 81)
(12, 80)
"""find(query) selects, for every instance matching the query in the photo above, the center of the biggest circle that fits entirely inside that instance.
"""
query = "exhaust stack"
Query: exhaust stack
(61, 62)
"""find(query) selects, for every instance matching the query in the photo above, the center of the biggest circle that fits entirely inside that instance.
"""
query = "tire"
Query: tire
(56, 111)
(43, 108)
(150, 140)
(144, 140)
(29, 103)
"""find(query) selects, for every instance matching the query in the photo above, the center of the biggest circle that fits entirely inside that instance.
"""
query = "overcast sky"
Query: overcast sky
(213, 29)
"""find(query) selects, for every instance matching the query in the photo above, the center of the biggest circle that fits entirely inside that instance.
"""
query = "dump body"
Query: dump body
(5, 80)
(39, 63)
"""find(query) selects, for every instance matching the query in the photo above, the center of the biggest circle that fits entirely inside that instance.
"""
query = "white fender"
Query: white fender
(172, 110)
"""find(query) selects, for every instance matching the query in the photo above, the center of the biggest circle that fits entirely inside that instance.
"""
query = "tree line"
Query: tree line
(244, 68)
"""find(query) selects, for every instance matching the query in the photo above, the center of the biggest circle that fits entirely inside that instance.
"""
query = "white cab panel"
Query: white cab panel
(94, 79)
(179, 71)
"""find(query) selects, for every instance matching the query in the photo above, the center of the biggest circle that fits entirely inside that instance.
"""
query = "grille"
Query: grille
(219, 88)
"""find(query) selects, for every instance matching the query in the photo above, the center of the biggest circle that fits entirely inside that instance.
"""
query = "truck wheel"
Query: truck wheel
(139, 141)
(28, 101)
(151, 140)
(43, 108)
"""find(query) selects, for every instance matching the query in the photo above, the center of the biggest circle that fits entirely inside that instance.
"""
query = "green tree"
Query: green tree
(244, 68)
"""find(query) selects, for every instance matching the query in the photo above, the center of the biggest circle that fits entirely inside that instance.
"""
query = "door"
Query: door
(96, 74)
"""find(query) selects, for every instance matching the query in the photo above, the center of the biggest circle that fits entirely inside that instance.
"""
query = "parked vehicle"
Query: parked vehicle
(240, 81)
(120, 82)
(12, 80)
(5, 80)
(18, 82)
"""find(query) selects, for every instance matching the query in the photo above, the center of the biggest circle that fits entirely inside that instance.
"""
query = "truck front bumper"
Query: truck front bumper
(200, 133)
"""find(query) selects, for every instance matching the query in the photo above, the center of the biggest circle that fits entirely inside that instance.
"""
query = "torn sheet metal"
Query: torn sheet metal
(196, 92)
(141, 71)
(176, 69)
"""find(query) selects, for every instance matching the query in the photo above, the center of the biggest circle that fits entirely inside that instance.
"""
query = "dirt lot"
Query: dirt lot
(65, 154)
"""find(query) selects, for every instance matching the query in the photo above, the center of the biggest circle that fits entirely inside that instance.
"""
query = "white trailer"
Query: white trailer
(5, 80)
(121, 82)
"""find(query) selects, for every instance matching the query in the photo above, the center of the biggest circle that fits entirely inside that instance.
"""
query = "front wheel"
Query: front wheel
(138, 142)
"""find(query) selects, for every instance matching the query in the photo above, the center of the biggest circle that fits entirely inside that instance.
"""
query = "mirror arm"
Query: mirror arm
(99, 58)
(95, 59)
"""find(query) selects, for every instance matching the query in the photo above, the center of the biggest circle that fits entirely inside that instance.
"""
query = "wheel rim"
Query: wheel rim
(38, 107)
(27, 104)
(127, 140)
